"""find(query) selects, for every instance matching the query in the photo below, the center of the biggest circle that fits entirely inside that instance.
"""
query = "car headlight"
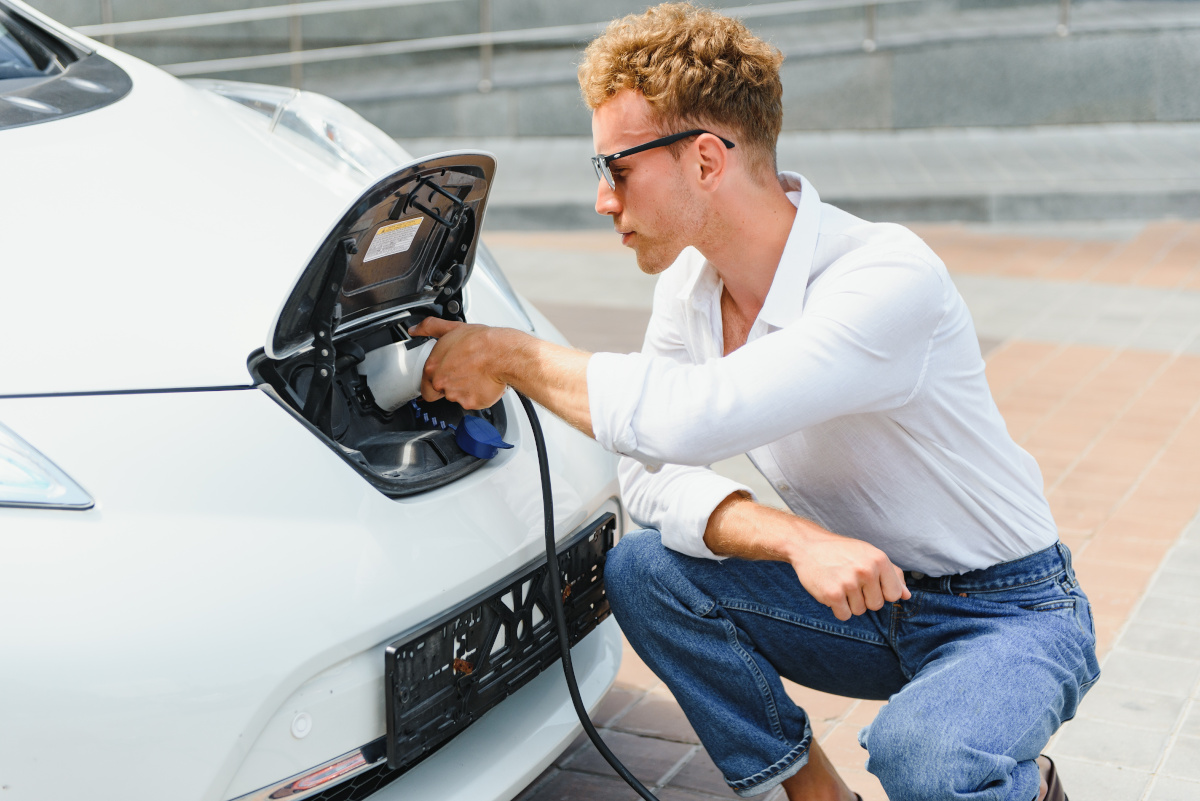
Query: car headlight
(336, 130)
(27, 478)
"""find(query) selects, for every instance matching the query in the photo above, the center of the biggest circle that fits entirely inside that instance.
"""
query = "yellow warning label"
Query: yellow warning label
(394, 238)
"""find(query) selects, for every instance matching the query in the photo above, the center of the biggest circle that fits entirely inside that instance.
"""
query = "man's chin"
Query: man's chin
(653, 261)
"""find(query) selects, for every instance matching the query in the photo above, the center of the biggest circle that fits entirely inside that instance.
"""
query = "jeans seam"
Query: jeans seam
(1048, 606)
(780, 765)
(763, 688)
(1006, 587)
(756, 609)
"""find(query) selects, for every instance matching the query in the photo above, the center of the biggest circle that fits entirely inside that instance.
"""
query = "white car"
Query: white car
(235, 561)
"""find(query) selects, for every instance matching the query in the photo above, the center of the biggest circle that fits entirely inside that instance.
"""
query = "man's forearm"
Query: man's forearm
(745, 529)
(847, 575)
(551, 375)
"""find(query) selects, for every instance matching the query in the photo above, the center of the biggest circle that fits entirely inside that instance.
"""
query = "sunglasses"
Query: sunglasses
(601, 162)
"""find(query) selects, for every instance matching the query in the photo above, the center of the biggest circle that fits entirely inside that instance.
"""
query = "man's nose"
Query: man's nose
(606, 199)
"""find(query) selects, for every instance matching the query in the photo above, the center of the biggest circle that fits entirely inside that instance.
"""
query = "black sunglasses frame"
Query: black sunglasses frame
(600, 163)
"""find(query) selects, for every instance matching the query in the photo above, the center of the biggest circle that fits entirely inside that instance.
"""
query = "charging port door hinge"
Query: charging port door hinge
(327, 313)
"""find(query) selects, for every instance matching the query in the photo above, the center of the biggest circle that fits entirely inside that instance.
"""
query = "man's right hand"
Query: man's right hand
(847, 575)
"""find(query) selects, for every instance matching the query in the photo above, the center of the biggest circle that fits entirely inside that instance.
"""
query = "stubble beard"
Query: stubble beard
(653, 260)
(657, 254)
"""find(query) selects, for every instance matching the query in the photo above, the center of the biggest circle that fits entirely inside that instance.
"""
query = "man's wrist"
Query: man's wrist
(512, 354)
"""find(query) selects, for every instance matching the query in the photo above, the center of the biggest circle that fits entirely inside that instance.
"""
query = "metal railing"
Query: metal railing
(485, 40)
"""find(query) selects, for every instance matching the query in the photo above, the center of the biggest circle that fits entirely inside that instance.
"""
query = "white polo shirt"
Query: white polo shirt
(860, 395)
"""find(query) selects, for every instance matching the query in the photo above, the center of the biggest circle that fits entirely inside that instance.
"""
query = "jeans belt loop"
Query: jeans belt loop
(1065, 554)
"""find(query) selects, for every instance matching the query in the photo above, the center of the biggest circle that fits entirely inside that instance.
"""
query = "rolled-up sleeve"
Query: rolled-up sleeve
(676, 501)
(615, 384)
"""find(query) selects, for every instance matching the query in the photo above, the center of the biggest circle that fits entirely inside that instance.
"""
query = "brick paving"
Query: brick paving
(1111, 414)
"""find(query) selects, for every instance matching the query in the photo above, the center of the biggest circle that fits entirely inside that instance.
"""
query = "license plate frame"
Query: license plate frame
(444, 675)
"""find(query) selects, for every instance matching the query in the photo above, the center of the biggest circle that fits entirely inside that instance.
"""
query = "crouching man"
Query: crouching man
(919, 563)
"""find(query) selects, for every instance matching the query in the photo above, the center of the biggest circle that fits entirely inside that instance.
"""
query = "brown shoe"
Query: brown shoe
(1054, 788)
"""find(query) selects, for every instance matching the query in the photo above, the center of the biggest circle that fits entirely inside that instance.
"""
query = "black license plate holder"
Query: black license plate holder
(445, 675)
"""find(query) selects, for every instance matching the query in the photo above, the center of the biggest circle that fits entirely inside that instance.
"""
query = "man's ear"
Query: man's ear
(713, 161)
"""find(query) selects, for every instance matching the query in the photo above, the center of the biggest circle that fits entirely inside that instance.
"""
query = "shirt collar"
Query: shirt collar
(795, 265)
(785, 298)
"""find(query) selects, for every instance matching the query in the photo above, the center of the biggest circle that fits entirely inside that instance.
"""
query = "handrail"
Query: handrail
(208, 19)
(559, 33)
(211, 18)
(485, 39)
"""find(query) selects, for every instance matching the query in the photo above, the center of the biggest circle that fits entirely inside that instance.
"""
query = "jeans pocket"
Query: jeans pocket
(1083, 614)
(1059, 596)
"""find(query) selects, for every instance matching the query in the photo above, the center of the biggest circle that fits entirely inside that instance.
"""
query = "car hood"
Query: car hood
(149, 244)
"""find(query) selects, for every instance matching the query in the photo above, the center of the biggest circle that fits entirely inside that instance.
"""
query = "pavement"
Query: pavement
(1091, 332)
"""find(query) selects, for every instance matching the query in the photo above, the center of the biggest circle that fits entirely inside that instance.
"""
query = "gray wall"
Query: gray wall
(1013, 79)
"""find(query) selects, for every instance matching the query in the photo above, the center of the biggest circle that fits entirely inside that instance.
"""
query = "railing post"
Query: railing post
(106, 18)
(485, 46)
(295, 45)
(1064, 18)
(868, 43)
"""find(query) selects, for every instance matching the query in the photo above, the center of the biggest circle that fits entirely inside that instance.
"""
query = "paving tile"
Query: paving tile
(863, 783)
(633, 673)
(1164, 640)
(1141, 671)
(1112, 589)
(615, 703)
(1084, 779)
(1177, 585)
(670, 793)
(657, 714)
(1177, 512)
(700, 774)
(821, 708)
(1132, 707)
(1110, 744)
(1191, 722)
(646, 757)
(1107, 627)
(572, 786)
(1167, 788)
(1183, 760)
(1194, 526)
(1130, 525)
(1167, 610)
(841, 742)
(1111, 548)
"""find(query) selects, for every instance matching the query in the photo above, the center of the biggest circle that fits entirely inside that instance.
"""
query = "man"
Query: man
(920, 563)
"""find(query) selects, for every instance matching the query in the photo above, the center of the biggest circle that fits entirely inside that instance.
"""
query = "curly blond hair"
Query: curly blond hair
(696, 68)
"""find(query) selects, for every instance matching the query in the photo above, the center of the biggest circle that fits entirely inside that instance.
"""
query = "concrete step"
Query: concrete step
(1042, 173)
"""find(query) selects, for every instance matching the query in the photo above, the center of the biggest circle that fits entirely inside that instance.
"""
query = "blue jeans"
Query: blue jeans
(979, 669)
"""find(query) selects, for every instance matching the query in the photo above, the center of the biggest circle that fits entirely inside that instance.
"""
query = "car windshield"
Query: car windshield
(21, 55)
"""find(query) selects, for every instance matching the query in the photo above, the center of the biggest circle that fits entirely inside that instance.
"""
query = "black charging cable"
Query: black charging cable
(560, 615)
